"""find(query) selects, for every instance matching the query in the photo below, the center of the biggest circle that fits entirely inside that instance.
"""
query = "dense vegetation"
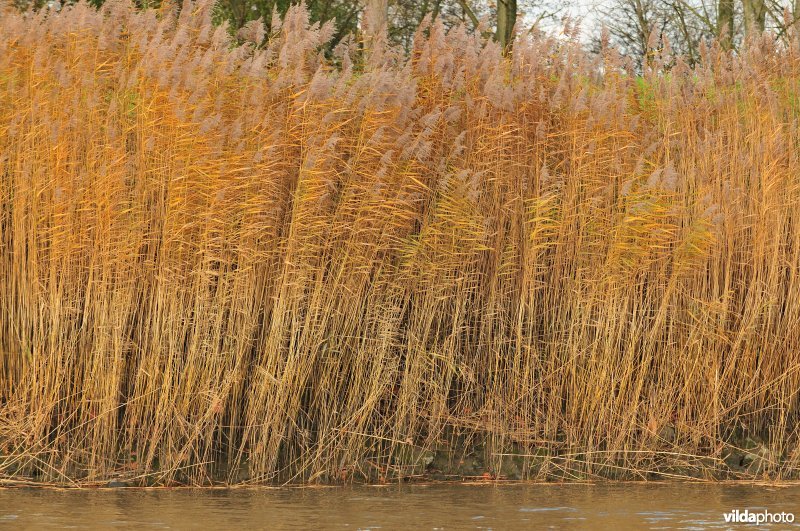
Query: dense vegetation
(258, 262)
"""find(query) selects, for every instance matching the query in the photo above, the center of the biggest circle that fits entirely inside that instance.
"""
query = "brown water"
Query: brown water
(609, 506)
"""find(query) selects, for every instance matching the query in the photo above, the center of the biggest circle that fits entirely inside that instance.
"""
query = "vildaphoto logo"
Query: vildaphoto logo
(757, 517)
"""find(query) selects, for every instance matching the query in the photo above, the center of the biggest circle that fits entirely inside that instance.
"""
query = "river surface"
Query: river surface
(558, 506)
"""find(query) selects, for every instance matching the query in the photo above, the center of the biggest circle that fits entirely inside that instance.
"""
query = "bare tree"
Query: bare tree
(686, 23)
(508, 14)
(632, 22)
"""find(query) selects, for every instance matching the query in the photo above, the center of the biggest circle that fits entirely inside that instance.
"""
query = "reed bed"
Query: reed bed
(251, 260)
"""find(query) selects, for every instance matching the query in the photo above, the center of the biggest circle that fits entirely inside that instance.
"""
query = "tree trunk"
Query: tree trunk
(506, 18)
(755, 16)
(725, 21)
(376, 14)
(796, 15)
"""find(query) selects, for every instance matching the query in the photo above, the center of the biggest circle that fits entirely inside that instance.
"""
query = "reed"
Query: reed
(242, 260)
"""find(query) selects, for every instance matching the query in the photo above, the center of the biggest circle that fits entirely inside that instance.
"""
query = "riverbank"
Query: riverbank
(750, 463)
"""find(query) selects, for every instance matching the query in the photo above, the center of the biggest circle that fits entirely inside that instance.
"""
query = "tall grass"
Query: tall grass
(217, 258)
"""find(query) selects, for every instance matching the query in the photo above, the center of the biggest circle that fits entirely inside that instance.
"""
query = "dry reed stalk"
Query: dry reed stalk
(216, 258)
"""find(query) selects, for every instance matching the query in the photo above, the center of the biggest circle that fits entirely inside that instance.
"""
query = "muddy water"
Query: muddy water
(609, 506)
